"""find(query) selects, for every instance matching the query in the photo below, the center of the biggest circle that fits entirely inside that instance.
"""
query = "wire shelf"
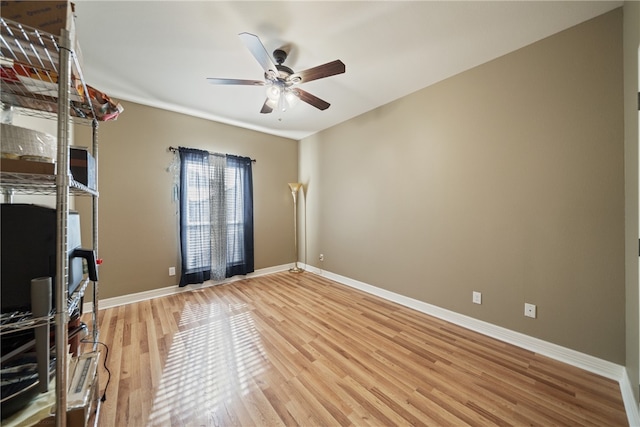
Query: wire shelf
(18, 321)
(30, 71)
(39, 184)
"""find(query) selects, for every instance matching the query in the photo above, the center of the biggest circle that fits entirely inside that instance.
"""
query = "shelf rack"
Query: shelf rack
(41, 76)
(26, 321)
(38, 184)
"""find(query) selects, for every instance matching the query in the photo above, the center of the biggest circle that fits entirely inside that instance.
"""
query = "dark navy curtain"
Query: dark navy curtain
(195, 234)
(239, 184)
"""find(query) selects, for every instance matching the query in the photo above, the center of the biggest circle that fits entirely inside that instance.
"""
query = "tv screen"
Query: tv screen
(28, 251)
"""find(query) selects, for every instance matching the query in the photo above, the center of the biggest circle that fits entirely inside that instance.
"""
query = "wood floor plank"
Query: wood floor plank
(298, 349)
(113, 336)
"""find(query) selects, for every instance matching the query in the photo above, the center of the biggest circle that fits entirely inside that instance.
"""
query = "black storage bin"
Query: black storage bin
(82, 166)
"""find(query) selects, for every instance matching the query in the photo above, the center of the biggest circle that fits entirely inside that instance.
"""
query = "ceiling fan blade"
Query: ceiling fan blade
(319, 72)
(265, 108)
(305, 96)
(216, 81)
(255, 46)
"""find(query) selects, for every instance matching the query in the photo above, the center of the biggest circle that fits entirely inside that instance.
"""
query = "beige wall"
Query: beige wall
(631, 82)
(138, 237)
(506, 179)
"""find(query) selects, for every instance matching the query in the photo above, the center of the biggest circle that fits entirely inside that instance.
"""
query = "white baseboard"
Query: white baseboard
(630, 404)
(575, 358)
(175, 289)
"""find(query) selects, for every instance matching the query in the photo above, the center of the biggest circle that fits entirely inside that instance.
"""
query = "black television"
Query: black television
(28, 251)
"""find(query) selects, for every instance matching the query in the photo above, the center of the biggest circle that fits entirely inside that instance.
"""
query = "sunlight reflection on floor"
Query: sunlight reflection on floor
(208, 364)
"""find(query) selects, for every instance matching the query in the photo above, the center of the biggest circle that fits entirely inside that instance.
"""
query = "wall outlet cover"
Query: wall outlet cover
(477, 297)
(530, 310)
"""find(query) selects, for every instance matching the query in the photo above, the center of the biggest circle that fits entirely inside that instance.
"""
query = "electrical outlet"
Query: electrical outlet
(172, 271)
(530, 310)
(321, 257)
(477, 297)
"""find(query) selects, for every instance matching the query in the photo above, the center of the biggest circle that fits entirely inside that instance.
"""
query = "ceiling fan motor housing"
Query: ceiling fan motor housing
(280, 56)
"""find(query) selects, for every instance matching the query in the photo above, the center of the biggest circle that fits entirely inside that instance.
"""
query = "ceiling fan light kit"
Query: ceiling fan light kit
(280, 79)
(281, 97)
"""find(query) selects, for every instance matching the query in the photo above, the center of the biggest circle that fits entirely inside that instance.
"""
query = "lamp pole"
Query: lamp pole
(295, 186)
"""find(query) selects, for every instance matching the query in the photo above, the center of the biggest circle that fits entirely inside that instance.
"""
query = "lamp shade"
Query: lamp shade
(295, 186)
(292, 97)
(273, 92)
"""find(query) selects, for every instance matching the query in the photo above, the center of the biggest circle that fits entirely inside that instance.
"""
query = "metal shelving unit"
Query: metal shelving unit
(55, 89)
(38, 184)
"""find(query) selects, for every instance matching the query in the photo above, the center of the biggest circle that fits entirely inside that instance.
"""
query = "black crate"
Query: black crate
(82, 166)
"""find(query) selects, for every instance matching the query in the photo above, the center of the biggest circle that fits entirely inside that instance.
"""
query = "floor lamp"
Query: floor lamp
(295, 186)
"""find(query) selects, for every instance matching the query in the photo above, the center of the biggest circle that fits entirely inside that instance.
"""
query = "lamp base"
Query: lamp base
(296, 270)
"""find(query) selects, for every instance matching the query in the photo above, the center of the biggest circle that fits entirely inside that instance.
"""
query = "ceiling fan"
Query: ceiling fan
(280, 80)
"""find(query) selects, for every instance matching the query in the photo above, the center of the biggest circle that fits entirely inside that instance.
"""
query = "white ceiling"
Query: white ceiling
(160, 53)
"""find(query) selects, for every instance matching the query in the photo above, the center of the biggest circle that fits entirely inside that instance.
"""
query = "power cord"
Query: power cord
(106, 356)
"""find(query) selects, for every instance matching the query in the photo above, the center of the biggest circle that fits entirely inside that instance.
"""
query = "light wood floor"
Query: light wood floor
(290, 349)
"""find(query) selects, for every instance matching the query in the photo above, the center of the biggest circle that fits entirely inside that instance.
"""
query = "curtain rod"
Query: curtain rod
(174, 149)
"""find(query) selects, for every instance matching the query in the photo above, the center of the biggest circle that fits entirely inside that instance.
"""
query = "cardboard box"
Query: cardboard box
(82, 166)
(25, 166)
(48, 16)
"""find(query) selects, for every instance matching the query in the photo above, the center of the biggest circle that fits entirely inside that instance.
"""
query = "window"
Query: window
(216, 216)
(197, 217)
